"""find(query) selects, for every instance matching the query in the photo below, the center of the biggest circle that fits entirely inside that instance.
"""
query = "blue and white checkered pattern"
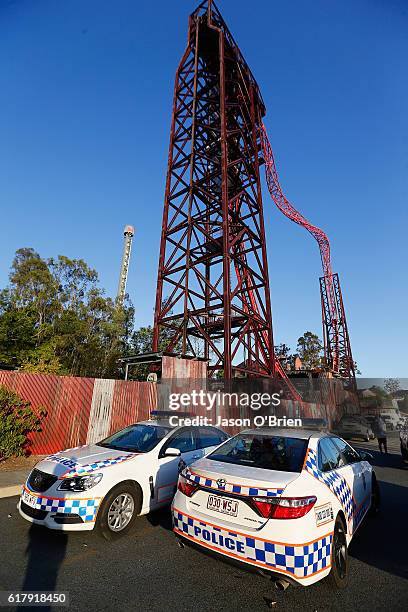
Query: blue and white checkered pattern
(299, 560)
(98, 465)
(336, 483)
(86, 508)
(230, 487)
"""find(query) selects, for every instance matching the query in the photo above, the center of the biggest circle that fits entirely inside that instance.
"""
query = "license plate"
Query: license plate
(30, 500)
(222, 504)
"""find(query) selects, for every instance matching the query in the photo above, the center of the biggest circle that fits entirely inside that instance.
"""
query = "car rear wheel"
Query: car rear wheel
(339, 557)
(118, 512)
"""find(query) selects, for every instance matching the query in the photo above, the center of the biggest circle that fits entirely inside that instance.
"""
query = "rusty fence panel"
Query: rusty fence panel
(80, 410)
(132, 402)
(67, 401)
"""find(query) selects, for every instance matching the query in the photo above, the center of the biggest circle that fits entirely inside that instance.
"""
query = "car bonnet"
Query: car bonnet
(82, 460)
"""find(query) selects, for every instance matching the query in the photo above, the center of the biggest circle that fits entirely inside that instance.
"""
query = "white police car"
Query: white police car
(108, 484)
(285, 501)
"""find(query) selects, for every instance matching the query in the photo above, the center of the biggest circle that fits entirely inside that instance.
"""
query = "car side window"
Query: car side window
(348, 453)
(183, 440)
(329, 456)
(209, 437)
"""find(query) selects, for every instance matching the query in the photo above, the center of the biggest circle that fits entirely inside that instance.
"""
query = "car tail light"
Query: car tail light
(283, 507)
(186, 486)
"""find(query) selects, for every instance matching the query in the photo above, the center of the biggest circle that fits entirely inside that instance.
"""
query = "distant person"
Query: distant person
(380, 432)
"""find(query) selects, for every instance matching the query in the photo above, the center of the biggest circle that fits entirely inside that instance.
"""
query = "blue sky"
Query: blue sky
(85, 98)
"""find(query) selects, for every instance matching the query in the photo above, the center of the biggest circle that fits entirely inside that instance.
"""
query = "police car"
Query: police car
(109, 483)
(287, 502)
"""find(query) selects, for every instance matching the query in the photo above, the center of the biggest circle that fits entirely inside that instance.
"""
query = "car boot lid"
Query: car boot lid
(217, 472)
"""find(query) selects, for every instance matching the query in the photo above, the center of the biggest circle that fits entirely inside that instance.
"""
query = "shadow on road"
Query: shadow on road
(389, 460)
(45, 553)
(160, 518)
(382, 540)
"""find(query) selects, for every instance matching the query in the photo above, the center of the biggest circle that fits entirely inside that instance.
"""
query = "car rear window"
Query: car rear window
(279, 453)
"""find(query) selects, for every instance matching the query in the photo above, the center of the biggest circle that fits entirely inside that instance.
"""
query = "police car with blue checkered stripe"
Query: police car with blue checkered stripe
(285, 501)
(109, 483)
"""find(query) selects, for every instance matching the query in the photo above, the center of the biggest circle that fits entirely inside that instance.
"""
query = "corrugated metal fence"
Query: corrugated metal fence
(80, 410)
(85, 410)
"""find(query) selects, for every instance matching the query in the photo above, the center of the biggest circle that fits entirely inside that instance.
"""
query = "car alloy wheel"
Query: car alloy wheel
(120, 512)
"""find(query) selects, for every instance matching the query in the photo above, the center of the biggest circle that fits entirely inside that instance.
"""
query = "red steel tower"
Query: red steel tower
(213, 298)
(213, 295)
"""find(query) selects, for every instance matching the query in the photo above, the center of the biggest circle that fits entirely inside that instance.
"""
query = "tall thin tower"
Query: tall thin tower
(128, 233)
(213, 295)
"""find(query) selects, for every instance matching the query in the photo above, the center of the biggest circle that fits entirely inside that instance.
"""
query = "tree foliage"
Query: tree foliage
(392, 385)
(142, 342)
(282, 351)
(17, 420)
(309, 348)
(54, 318)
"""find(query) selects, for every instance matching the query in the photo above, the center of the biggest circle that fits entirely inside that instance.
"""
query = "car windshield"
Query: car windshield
(139, 438)
(263, 451)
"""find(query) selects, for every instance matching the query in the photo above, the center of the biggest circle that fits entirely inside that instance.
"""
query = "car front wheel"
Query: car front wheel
(339, 556)
(118, 512)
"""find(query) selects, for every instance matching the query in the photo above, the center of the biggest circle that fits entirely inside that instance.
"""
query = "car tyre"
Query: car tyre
(118, 512)
(375, 497)
(339, 556)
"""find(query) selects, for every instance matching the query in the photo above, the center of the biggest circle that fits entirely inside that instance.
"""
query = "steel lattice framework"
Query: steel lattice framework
(336, 336)
(213, 296)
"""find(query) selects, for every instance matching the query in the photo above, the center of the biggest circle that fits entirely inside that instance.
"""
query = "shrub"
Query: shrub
(17, 420)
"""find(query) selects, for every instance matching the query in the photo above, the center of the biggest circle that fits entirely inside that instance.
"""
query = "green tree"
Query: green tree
(33, 286)
(17, 420)
(309, 348)
(392, 385)
(282, 351)
(142, 342)
(54, 318)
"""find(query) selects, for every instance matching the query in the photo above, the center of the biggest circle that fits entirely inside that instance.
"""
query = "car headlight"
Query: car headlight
(80, 483)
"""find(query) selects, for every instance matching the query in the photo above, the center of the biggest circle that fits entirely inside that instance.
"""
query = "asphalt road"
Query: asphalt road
(148, 571)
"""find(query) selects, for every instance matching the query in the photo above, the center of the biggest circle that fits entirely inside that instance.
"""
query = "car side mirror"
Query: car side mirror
(172, 452)
(365, 456)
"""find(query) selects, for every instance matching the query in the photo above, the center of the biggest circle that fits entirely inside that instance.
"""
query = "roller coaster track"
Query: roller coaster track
(318, 234)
